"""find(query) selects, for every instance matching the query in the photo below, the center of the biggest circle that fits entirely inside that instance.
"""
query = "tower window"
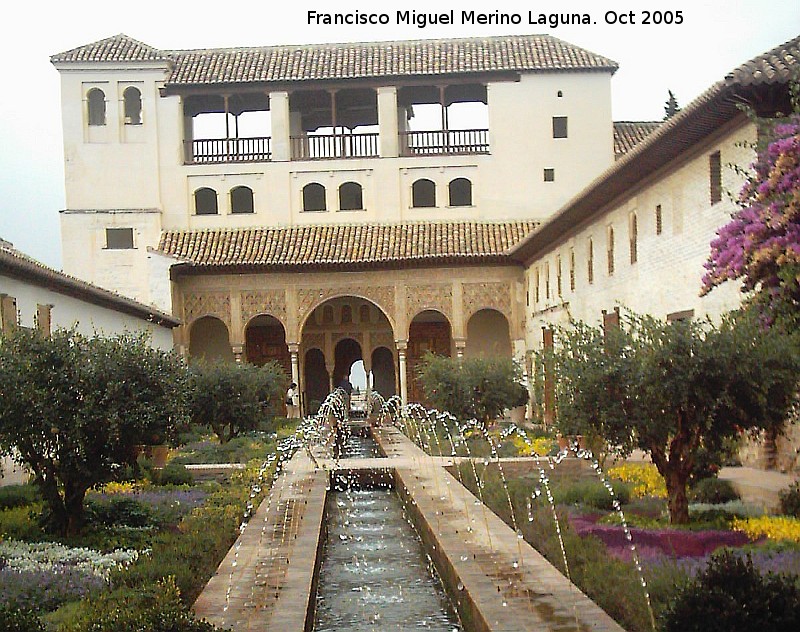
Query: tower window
(351, 197)
(633, 236)
(715, 177)
(460, 191)
(96, 104)
(590, 262)
(559, 127)
(423, 194)
(549, 175)
(572, 269)
(314, 197)
(242, 200)
(610, 250)
(119, 238)
(205, 202)
(659, 220)
(132, 99)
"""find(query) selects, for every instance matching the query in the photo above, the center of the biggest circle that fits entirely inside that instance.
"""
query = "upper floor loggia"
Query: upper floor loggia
(328, 101)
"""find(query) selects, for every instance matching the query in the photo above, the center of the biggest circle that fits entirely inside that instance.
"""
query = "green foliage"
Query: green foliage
(479, 388)
(74, 407)
(591, 493)
(790, 500)
(21, 523)
(13, 619)
(713, 491)
(157, 609)
(234, 398)
(18, 496)
(730, 595)
(241, 449)
(671, 389)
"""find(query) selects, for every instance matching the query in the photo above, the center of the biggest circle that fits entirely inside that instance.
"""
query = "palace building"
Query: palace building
(321, 204)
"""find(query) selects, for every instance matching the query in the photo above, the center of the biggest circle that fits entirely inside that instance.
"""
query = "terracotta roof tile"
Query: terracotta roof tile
(628, 134)
(117, 48)
(18, 265)
(345, 245)
(518, 53)
(778, 65)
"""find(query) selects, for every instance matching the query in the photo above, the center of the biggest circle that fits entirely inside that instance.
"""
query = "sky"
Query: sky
(713, 37)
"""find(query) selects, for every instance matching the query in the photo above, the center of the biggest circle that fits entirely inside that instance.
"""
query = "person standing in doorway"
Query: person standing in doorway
(293, 402)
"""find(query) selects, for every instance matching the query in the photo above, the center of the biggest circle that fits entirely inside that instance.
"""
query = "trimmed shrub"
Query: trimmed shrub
(158, 609)
(730, 595)
(714, 491)
(12, 496)
(118, 510)
(172, 474)
(593, 494)
(790, 500)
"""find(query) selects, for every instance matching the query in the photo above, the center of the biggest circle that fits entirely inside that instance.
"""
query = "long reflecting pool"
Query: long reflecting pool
(374, 573)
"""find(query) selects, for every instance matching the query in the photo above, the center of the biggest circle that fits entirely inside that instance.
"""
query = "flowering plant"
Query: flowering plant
(761, 243)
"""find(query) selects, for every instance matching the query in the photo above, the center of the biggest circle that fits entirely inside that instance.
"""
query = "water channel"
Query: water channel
(374, 573)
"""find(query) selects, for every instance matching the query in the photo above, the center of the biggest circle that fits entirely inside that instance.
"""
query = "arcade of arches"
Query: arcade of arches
(319, 329)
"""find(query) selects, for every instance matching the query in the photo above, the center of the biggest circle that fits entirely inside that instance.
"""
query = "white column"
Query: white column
(238, 350)
(294, 349)
(368, 388)
(388, 121)
(401, 356)
(279, 115)
(460, 344)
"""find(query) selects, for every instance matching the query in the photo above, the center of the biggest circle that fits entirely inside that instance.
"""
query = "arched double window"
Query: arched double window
(242, 200)
(96, 105)
(205, 202)
(460, 192)
(314, 197)
(132, 101)
(351, 197)
(423, 193)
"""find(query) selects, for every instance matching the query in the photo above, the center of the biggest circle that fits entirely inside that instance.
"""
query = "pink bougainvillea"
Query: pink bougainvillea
(761, 243)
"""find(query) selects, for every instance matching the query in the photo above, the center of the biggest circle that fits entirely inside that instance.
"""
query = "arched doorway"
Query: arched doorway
(347, 329)
(265, 340)
(209, 340)
(488, 335)
(315, 380)
(383, 373)
(429, 332)
(346, 353)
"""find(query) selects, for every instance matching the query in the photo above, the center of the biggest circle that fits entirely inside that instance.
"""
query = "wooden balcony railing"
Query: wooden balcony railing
(216, 150)
(326, 146)
(444, 142)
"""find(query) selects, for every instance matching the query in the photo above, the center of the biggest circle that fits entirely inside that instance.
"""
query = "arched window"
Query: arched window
(96, 103)
(327, 315)
(205, 201)
(351, 197)
(363, 314)
(460, 191)
(242, 200)
(423, 194)
(133, 106)
(314, 197)
(347, 314)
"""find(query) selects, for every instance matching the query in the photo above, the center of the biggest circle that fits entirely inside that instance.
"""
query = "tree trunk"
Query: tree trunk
(677, 501)
(73, 504)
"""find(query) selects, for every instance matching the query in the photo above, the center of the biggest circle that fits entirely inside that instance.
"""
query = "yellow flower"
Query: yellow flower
(773, 527)
(644, 476)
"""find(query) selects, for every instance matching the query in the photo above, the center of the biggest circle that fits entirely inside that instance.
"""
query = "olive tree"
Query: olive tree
(73, 408)
(234, 398)
(672, 390)
(480, 388)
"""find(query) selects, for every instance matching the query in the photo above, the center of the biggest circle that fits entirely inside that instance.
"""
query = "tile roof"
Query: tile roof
(515, 53)
(346, 245)
(628, 134)
(717, 106)
(18, 265)
(778, 65)
(117, 48)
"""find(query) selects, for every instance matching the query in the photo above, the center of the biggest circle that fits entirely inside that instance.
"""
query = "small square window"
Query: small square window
(549, 175)
(559, 127)
(119, 238)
